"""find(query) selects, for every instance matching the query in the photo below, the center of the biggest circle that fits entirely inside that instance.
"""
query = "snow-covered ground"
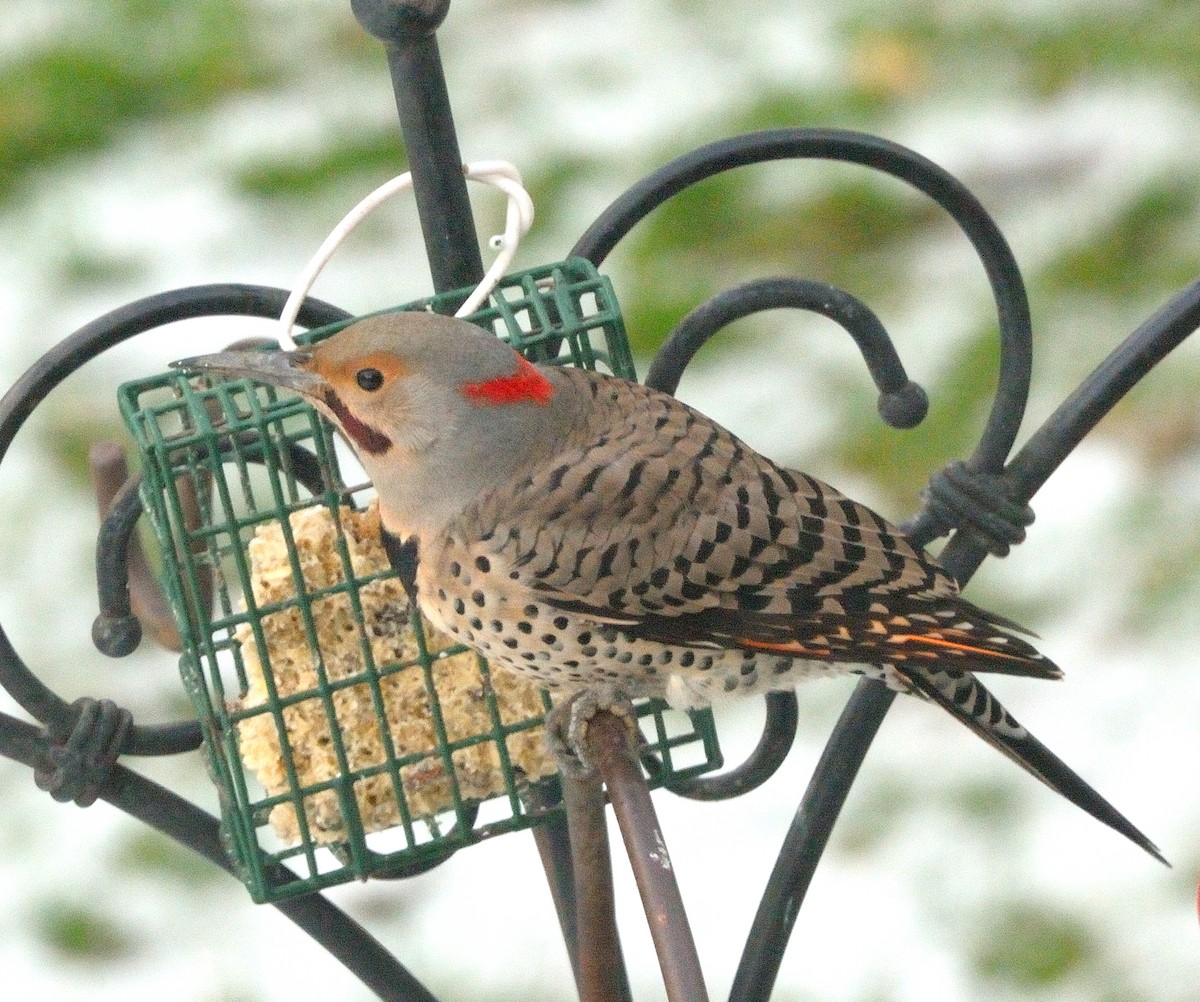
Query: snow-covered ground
(920, 891)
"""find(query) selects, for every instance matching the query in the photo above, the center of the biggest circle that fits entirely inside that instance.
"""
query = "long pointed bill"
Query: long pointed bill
(286, 369)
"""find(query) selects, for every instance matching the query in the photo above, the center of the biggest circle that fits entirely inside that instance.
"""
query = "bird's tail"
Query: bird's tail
(969, 701)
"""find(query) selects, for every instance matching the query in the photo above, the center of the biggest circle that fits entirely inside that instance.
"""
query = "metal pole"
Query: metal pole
(608, 745)
(407, 31)
(600, 969)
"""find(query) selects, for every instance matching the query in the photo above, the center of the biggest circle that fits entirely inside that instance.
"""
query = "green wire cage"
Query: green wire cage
(345, 739)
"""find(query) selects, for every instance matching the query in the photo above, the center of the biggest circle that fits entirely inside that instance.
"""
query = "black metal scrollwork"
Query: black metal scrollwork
(982, 501)
(74, 756)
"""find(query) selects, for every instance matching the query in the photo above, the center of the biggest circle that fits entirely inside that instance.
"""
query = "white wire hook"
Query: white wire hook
(498, 174)
(518, 219)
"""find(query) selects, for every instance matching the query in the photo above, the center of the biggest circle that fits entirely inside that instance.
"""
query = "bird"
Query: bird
(584, 531)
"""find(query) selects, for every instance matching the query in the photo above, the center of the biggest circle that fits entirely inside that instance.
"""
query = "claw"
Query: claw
(567, 725)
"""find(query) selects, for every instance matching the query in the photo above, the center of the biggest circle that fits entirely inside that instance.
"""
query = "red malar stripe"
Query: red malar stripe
(524, 385)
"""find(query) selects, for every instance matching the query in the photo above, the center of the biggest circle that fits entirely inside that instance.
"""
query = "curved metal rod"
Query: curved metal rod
(902, 403)
(110, 470)
(363, 955)
(806, 839)
(466, 818)
(117, 631)
(835, 773)
(1045, 450)
(1008, 289)
(34, 696)
(774, 744)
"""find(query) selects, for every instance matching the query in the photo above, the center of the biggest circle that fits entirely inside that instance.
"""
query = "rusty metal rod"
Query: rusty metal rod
(600, 967)
(609, 746)
(553, 842)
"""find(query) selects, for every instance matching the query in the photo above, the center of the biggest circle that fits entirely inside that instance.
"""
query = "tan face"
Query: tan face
(350, 376)
(355, 392)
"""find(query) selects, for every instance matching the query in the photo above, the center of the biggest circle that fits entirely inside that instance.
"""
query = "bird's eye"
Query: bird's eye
(369, 379)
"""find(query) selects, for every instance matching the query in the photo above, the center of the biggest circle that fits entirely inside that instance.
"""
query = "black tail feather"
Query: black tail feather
(966, 698)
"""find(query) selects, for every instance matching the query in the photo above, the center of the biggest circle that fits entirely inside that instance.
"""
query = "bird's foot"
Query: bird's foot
(567, 724)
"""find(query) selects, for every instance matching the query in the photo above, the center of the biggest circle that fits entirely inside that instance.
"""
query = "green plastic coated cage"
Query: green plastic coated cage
(345, 739)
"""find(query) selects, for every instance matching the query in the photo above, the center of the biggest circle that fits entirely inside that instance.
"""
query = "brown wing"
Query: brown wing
(658, 520)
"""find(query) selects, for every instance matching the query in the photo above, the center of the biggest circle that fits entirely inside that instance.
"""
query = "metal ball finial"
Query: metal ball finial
(904, 408)
(394, 20)
(116, 636)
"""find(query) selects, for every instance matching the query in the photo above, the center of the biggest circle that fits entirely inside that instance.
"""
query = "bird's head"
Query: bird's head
(436, 408)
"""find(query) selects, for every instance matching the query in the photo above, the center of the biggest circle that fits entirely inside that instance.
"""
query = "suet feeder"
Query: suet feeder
(345, 738)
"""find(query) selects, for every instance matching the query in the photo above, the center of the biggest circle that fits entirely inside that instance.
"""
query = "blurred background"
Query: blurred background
(145, 146)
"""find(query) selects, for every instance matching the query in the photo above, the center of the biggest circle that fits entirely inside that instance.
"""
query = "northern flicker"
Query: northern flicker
(586, 530)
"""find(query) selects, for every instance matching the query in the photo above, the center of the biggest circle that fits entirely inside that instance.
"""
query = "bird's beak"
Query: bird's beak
(289, 370)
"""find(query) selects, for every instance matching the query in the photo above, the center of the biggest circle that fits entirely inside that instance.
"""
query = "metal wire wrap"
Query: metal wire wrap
(976, 503)
(76, 765)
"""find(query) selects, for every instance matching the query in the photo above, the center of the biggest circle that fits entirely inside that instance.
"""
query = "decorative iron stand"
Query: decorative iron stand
(982, 503)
